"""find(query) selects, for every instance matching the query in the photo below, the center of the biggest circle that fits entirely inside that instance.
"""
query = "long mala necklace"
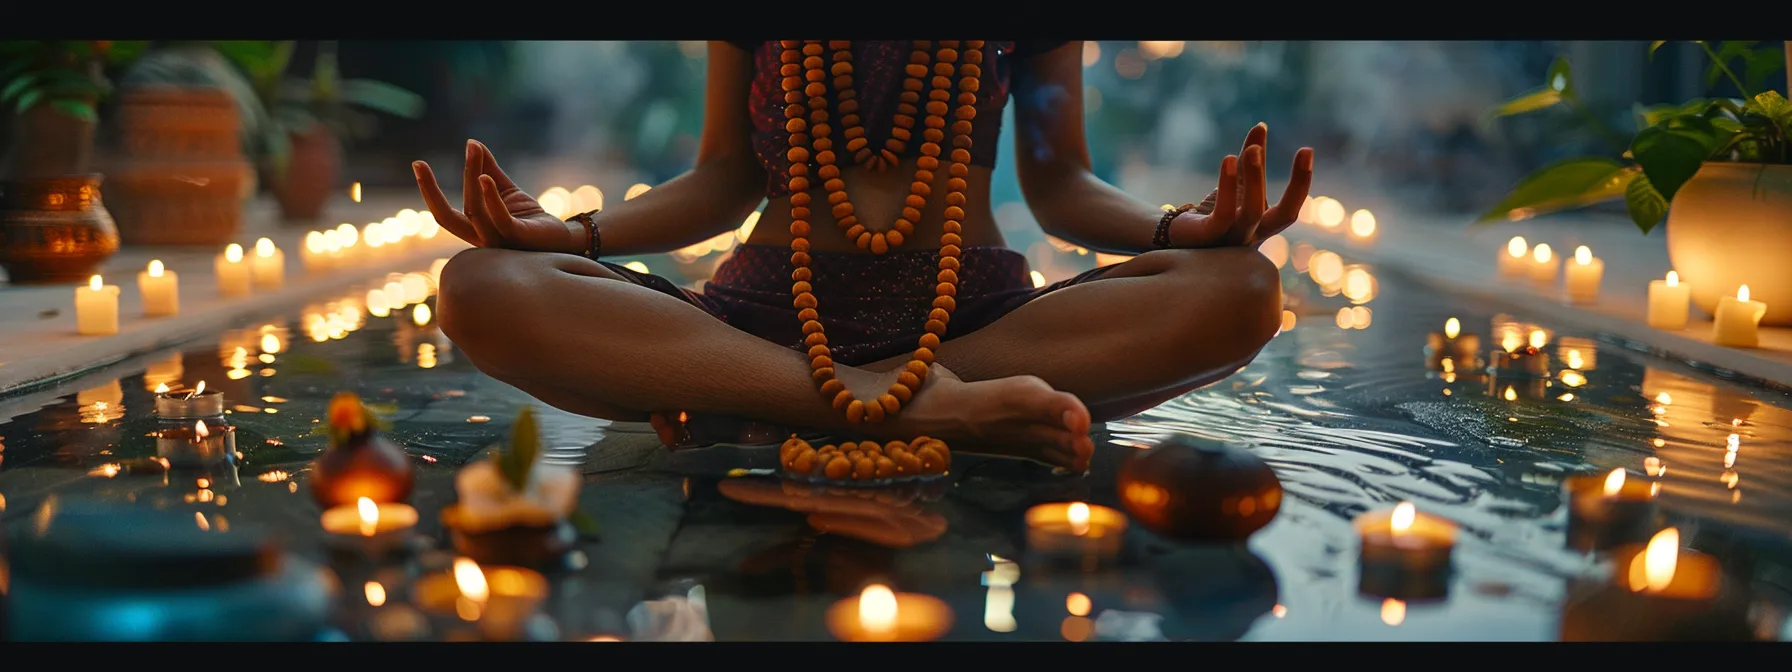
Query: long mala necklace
(805, 72)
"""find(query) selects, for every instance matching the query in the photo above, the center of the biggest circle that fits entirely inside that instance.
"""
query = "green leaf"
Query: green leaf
(27, 100)
(18, 86)
(382, 97)
(1646, 205)
(1771, 105)
(1653, 46)
(1560, 77)
(525, 445)
(1527, 102)
(1759, 64)
(1570, 183)
(79, 109)
(1670, 157)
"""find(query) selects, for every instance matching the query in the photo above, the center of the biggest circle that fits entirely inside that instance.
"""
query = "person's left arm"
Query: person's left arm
(1071, 203)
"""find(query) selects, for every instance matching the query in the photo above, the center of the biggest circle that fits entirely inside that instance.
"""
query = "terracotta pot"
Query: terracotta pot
(311, 172)
(182, 177)
(54, 230)
(1731, 225)
(49, 143)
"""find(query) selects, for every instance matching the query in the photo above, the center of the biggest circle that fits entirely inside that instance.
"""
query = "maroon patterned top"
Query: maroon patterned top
(877, 78)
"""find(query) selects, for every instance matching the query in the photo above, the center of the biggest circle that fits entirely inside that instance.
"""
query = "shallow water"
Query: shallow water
(1350, 417)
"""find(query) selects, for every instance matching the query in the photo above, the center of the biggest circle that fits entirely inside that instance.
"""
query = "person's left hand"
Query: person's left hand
(1242, 214)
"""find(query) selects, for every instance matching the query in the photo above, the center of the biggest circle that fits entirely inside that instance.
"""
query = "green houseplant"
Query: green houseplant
(1718, 169)
(309, 117)
(53, 225)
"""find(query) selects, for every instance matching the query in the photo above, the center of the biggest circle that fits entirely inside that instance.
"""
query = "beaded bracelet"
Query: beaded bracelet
(1161, 239)
(594, 241)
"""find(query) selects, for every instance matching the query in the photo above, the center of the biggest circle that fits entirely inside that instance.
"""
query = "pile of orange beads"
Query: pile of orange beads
(866, 461)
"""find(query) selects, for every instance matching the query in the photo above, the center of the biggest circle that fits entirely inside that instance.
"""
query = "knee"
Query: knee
(1239, 292)
(479, 287)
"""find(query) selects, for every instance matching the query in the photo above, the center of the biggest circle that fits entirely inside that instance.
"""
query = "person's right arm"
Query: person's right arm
(716, 195)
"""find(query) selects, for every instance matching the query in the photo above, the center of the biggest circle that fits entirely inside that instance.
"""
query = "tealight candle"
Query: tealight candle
(96, 308)
(1516, 358)
(1075, 530)
(317, 255)
(1405, 552)
(1544, 265)
(1584, 276)
(370, 529)
(1513, 260)
(1462, 349)
(183, 405)
(161, 290)
(232, 272)
(197, 446)
(1605, 510)
(1668, 300)
(1738, 321)
(1659, 591)
(878, 614)
(269, 266)
(499, 600)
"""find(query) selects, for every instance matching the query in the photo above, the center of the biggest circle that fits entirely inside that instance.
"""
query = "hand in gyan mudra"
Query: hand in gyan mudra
(494, 211)
(1242, 214)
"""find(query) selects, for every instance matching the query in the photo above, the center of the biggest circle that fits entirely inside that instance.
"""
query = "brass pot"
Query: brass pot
(54, 230)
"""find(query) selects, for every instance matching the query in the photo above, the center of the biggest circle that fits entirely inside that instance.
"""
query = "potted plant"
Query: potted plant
(309, 117)
(53, 225)
(1719, 170)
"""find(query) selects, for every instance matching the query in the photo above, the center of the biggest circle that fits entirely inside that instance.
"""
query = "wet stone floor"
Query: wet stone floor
(1341, 404)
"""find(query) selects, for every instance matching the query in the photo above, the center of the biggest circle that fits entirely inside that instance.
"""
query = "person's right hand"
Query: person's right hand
(494, 211)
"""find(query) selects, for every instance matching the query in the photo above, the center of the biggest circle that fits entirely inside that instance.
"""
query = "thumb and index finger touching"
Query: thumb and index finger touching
(464, 223)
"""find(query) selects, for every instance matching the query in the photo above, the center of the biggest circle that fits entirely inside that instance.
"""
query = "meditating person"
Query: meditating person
(909, 317)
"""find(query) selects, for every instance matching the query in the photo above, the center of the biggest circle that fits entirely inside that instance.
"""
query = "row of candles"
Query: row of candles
(1737, 322)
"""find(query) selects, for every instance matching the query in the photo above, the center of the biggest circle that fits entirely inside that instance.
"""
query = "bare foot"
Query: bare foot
(1019, 416)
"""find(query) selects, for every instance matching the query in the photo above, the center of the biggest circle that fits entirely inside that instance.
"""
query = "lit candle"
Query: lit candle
(1584, 275)
(878, 614)
(1738, 320)
(1543, 265)
(198, 446)
(1605, 510)
(317, 254)
(1405, 552)
(269, 266)
(1462, 349)
(499, 600)
(1512, 260)
(1075, 531)
(370, 529)
(1668, 301)
(1520, 358)
(195, 404)
(1659, 591)
(233, 274)
(161, 290)
(96, 308)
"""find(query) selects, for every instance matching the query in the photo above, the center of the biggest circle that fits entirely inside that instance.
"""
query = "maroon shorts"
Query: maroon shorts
(874, 307)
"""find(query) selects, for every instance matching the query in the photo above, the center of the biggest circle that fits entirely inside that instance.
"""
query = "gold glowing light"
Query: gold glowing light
(377, 303)
(746, 228)
(1741, 292)
(198, 389)
(1404, 515)
(370, 516)
(1329, 212)
(634, 191)
(1359, 286)
(1673, 279)
(1362, 224)
(1575, 360)
(1511, 394)
(264, 248)
(348, 234)
(233, 253)
(155, 268)
(1452, 327)
(470, 580)
(1541, 253)
(162, 388)
(1288, 320)
(314, 242)
(1326, 267)
(636, 266)
(557, 201)
(1078, 517)
(1038, 278)
(1517, 247)
(199, 429)
(877, 609)
(1510, 342)
(420, 314)
(1573, 379)
(1614, 483)
(586, 198)
(376, 593)
(95, 283)
(1078, 604)
(1538, 338)
(1393, 612)
(1344, 318)
(1583, 255)
(354, 192)
(270, 344)
(1653, 571)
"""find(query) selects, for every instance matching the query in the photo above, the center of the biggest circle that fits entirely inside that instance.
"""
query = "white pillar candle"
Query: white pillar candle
(1584, 275)
(1738, 320)
(1543, 265)
(96, 308)
(1668, 301)
(316, 254)
(268, 268)
(161, 290)
(233, 272)
(1514, 260)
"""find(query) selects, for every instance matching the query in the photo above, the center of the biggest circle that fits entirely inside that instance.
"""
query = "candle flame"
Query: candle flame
(199, 429)
(233, 253)
(1510, 341)
(162, 388)
(155, 268)
(1403, 517)
(877, 608)
(1575, 360)
(1538, 338)
(1038, 278)
(197, 389)
(270, 343)
(1516, 247)
(1663, 398)
(264, 248)
(370, 516)
(1393, 612)
(95, 283)
(354, 192)
(376, 593)
(1658, 562)
(1452, 327)
(1614, 483)
(1741, 292)
(315, 243)
(1583, 255)
(1078, 604)
(471, 580)
(1511, 395)
(1673, 279)
(420, 314)
(1541, 253)
(1078, 516)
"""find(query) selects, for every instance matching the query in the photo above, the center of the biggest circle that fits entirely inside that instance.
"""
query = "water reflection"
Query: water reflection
(893, 517)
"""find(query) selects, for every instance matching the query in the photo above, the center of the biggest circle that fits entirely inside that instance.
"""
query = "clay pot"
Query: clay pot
(311, 173)
(54, 230)
(182, 176)
(368, 466)
(1729, 226)
(1192, 490)
(522, 546)
(49, 143)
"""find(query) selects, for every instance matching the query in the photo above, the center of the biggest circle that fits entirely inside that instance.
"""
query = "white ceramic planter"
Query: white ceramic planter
(1731, 225)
